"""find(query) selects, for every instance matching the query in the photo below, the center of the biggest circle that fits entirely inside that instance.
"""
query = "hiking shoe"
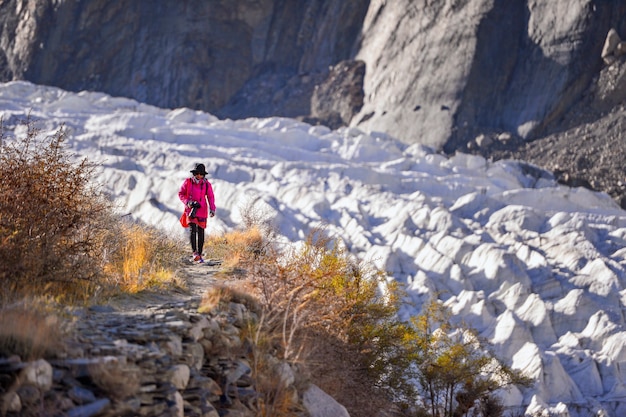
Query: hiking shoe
(196, 257)
(201, 260)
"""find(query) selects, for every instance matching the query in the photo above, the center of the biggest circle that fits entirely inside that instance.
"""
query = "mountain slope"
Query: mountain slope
(437, 73)
(586, 147)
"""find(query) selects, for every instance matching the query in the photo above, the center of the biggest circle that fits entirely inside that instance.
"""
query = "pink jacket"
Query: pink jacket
(200, 191)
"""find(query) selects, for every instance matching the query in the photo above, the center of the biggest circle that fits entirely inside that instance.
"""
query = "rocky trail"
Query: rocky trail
(198, 278)
(153, 355)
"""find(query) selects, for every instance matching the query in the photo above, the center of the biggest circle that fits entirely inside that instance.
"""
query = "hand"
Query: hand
(212, 213)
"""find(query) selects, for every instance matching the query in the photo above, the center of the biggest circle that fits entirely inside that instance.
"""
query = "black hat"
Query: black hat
(199, 169)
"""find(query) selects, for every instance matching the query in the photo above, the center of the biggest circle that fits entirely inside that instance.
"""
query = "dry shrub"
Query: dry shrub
(338, 370)
(219, 296)
(29, 330)
(276, 398)
(318, 296)
(236, 247)
(319, 309)
(321, 287)
(51, 218)
(142, 257)
(59, 235)
(254, 217)
(277, 394)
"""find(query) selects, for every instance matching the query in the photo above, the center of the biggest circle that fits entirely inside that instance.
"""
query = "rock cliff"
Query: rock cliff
(439, 72)
(232, 58)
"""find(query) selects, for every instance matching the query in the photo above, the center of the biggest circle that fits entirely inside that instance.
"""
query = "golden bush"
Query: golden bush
(52, 217)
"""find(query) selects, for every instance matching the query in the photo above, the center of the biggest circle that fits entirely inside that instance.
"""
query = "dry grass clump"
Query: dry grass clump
(29, 330)
(220, 296)
(142, 258)
(235, 247)
(239, 247)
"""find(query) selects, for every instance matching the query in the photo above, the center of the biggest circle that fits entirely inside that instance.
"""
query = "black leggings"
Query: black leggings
(197, 238)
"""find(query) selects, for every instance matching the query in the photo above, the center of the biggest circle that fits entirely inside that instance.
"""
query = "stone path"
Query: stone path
(154, 356)
(148, 355)
(198, 279)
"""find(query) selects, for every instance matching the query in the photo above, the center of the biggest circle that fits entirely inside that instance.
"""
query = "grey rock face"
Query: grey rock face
(226, 57)
(444, 71)
(338, 98)
(585, 148)
(166, 53)
(437, 72)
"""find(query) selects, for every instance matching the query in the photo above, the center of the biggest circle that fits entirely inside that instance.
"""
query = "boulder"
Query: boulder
(320, 404)
(338, 98)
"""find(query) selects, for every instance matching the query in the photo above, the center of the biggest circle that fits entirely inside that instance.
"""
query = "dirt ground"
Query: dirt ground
(586, 150)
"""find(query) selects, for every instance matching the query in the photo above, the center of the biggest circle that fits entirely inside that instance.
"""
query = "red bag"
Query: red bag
(184, 221)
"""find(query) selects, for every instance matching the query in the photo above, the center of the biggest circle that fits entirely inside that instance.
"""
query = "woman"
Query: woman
(196, 193)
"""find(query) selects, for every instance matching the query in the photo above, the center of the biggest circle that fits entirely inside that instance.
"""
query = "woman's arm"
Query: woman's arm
(183, 192)
(210, 197)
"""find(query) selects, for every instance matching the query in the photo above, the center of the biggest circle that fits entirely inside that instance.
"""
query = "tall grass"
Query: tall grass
(30, 330)
(143, 258)
(237, 247)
